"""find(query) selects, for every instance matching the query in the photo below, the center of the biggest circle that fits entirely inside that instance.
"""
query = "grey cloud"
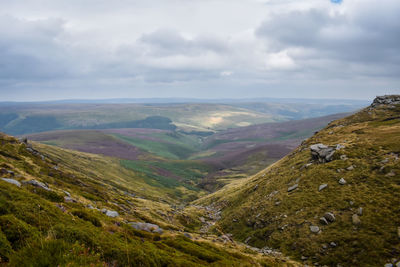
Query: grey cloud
(30, 50)
(368, 33)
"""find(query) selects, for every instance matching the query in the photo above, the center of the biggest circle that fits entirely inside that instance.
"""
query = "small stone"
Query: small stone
(388, 265)
(293, 187)
(351, 203)
(342, 181)
(391, 174)
(350, 168)
(343, 157)
(322, 187)
(187, 235)
(277, 203)
(360, 211)
(322, 220)
(67, 193)
(202, 219)
(339, 146)
(333, 244)
(324, 246)
(356, 220)
(314, 228)
(330, 216)
(303, 258)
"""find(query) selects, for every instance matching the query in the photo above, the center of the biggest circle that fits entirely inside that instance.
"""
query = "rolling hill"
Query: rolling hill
(209, 162)
(201, 118)
(333, 201)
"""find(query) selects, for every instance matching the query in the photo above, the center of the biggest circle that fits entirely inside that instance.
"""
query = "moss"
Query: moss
(5, 247)
(16, 231)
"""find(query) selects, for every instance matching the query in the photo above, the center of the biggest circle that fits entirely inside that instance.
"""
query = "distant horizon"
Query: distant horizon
(186, 100)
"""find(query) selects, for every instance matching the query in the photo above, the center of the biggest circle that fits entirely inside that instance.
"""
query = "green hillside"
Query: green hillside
(340, 210)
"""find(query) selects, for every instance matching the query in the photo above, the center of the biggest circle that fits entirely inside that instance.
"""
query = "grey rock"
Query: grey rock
(37, 184)
(148, 227)
(388, 265)
(330, 216)
(11, 181)
(343, 157)
(314, 229)
(67, 193)
(342, 181)
(112, 213)
(322, 187)
(322, 153)
(69, 199)
(355, 219)
(333, 244)
(293, 187)
(323, 220)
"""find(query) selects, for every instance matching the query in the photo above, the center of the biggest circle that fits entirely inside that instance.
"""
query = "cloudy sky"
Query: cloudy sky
(53, 49)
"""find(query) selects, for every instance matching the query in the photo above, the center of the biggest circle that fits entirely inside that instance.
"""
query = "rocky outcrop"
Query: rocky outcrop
(386, 100)
(322, 153)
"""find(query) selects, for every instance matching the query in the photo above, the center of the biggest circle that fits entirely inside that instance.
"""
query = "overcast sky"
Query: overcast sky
(53, 49)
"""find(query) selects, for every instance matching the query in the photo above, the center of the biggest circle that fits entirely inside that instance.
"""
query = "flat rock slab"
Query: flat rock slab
(11, 181)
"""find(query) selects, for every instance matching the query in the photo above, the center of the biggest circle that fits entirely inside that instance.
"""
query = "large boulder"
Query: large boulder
(148, 227)
(322, 153)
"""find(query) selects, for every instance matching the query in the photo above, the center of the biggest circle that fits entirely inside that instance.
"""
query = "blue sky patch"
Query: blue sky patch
(336, 1)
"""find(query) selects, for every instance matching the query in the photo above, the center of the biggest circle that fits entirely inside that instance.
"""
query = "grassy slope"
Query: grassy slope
(261, 208)
(35, 230)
